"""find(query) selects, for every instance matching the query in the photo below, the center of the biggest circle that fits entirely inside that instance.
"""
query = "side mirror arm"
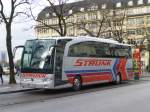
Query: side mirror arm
(15, 49)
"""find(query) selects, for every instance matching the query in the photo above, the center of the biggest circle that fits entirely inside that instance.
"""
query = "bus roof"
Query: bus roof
(85, 38)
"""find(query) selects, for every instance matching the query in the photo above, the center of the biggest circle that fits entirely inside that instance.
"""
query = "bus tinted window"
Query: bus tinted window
(120, 51)
(34, 55)
(102, 49)
(89, 49)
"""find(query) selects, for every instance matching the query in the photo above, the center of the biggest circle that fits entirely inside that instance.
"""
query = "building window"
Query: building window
(94, 7)
(54, 14)
(148, 29)
(82, 9)
(92, 16)
(47, 15)
(136, 21)
(80, 17)
(103, 6)
(140, 2)
(70, 11)
(70, 19)
(131, 21)
(118, 4)
(130, 3)
(140, 31)
(139, 10)
(131, 32)
(148, 20)
(93, 25)
(140, 21)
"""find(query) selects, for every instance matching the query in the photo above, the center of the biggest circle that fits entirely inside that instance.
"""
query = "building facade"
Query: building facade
(134, 26)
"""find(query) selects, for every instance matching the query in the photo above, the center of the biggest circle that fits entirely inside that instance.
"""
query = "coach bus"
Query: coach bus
(74, 61)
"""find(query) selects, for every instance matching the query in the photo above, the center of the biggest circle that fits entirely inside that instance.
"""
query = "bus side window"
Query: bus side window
(107, 50)
(72, 52)
(78, 50)
(112, 50)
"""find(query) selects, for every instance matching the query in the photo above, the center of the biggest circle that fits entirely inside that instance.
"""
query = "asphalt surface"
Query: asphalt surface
(129, 96)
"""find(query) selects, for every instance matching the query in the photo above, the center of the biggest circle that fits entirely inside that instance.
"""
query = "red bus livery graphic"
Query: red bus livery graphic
(33, 75)
(92, 62)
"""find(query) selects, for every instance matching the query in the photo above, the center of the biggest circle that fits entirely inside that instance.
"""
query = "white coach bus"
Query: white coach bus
(74, 61)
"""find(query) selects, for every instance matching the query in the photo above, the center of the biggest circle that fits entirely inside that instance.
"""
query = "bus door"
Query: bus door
(59, 53)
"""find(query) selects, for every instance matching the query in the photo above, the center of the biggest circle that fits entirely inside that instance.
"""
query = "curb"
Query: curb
(17, 91)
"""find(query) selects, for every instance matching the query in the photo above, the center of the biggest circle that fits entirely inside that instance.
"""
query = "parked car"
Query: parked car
(7, 70)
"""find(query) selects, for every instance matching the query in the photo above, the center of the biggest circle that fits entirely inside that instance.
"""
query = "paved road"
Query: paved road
(132, 96)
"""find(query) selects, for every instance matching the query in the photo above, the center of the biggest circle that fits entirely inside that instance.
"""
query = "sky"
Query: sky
(19, 35)
(21, 31)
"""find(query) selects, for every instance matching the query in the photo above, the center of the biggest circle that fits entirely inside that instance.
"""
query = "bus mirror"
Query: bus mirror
(15, 49)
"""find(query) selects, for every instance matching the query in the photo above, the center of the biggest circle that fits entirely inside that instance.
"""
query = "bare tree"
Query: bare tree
(116, 25)
(99, 24)
(58, 11)
(8, 19)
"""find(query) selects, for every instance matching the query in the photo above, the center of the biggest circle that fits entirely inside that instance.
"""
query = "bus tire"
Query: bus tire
(77, 83)
(118, 79)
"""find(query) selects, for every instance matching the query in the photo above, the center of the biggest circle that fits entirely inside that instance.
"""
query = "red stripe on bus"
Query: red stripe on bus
(90, 77)
(33, 75)
(95, 78)
(122, 68)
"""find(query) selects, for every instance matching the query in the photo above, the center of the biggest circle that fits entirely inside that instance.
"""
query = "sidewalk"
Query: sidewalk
(6, 88)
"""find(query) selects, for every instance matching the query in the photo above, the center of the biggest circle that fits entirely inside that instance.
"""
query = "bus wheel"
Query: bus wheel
(118, 79)
(77, 84)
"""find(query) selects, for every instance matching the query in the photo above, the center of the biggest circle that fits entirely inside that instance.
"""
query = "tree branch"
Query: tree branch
(41, 21)
(2, 12)
(21, 3)
(22, 13)
(100, 27)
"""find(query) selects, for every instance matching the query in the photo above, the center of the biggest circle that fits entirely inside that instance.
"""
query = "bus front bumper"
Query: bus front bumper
(40, 85)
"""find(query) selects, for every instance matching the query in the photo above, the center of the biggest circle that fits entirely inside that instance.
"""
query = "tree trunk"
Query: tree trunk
(10, 54)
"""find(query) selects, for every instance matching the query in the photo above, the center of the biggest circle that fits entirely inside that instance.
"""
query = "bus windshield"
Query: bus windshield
(35, 55)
